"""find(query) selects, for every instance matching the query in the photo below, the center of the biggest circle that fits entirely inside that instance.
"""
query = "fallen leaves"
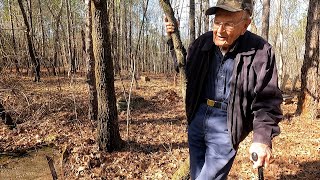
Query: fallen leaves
(157, 143)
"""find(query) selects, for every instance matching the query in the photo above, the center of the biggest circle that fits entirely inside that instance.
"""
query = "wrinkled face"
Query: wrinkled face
(228, 26)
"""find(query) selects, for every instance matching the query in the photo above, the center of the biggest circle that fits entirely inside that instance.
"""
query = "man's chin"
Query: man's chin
(221, 44)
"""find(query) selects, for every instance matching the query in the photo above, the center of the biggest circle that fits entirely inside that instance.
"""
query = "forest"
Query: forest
(89, 89)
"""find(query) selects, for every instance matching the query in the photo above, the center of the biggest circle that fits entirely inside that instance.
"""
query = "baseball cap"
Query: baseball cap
(232, 6)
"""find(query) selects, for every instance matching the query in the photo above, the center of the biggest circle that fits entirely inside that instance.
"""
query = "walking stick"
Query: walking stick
(260, 169)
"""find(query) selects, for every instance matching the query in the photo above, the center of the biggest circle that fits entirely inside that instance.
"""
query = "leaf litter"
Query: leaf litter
(54, 113)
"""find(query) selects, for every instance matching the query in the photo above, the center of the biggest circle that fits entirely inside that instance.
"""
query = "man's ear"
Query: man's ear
(248, 22)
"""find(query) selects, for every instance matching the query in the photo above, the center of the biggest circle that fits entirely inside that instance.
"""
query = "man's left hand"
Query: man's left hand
(264, 154)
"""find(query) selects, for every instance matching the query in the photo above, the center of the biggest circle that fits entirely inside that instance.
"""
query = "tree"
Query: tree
(13, 38)
(200, 19)
(265, 19)
(206, 24)
(309, 95)
(108, 136)
(279, 43)
(71, 57)
(35, 61)
(43, 37)
(253, 27)
(178, 47)
(93, 101)
(183, 171)
(192, 21)
(57, 18)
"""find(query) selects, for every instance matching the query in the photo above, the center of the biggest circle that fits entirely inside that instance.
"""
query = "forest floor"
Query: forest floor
(52, 121)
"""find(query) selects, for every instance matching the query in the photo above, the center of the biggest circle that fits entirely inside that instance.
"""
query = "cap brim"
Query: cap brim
(213, 10)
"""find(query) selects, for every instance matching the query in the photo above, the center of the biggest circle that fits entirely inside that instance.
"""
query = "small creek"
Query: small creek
(32, 166)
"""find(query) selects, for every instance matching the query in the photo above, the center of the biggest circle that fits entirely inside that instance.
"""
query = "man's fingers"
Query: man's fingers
(258, 163)
(267, 159)
(165, 19)
(169, 27)
(169, 24)
(264, 155)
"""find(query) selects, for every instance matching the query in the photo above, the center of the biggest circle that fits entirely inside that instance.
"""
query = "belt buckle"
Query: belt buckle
(210, 102)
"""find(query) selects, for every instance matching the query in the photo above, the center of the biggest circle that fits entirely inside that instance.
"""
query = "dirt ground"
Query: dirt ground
(53, 113)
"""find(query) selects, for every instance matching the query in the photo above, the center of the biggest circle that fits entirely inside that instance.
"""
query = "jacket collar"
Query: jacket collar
(208, 44)
(244, 46)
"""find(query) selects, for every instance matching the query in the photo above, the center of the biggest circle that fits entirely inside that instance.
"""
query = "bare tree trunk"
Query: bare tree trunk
(178, 47)
(73, 45)
(265, 19)
(192, 21)
(129, 64)
(200, 19)
(309, 95)
(13, 38)
(93, 101)
(29, 8)
(35, 61)
(133, 69)
(69, 46)
(135, 57)
(1, 50)
(123, 34)
(206, 25)
(54, 62)
(56, 38)
(253, 27)
(114, 36)
(279, 43)
(108, 129)
(43, 37)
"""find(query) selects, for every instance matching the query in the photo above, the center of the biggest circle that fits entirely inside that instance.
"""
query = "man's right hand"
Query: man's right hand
(264, 154)
(169, 26)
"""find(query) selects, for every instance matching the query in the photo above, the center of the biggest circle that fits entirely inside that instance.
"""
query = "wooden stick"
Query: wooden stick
(52, 169)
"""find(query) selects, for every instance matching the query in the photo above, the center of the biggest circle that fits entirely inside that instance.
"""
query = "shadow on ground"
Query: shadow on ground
(308, 170)
(152, 148)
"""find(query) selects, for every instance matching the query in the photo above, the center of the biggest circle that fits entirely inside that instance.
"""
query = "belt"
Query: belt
(216, 104)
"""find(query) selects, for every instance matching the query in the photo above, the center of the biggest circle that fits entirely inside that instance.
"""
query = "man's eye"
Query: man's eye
(228, 24)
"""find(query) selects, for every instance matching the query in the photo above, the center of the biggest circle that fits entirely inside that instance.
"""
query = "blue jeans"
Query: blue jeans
(211, 152)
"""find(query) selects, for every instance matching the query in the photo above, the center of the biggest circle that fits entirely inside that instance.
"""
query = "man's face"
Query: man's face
(228, 26)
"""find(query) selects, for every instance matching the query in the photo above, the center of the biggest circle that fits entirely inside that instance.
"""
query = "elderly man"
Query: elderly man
(232, 89)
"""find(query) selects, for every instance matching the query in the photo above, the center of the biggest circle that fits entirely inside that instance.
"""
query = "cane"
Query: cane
(260, 169)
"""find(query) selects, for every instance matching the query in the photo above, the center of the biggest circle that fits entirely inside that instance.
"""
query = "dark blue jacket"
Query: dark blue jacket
(255, 99)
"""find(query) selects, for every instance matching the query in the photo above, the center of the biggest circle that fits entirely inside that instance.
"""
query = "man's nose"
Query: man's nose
(220, 28)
